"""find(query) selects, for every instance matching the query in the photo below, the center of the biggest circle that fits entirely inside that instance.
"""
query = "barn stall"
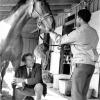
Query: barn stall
(65, 21)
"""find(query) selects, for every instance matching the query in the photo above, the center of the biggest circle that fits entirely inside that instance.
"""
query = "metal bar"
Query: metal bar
(70, 22)
(74, 6)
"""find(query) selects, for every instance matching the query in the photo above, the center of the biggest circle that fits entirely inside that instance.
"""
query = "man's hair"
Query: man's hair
(29, 98)
(85, 15)
(25, 55)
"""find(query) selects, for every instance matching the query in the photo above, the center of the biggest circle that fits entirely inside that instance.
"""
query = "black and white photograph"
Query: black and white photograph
(49, 49)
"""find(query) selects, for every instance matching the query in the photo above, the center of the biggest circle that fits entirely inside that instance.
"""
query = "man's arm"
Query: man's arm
(54, 36)
(65, 39)
(70, 38)
(18, 80)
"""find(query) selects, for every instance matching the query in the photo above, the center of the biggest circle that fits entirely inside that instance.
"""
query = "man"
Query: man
(30, 75)
(83, 43)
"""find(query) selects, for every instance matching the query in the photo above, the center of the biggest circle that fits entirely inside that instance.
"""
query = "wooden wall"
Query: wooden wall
(29, 45)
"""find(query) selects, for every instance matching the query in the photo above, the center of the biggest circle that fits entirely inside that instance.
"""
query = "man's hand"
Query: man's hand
(19, 82)
(55, 37)
(58, 39)
(14, 84)
(23, 85)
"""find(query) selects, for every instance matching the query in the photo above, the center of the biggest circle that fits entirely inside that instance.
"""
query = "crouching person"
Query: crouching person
(30, 77)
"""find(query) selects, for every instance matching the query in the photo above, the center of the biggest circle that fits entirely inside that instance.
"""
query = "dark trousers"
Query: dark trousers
(81, 80)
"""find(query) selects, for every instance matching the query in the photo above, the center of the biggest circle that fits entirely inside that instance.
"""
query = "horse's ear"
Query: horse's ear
(19, 3)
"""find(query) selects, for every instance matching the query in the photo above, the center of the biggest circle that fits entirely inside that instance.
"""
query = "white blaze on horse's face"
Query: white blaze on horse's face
(30, 7)
(44, 18)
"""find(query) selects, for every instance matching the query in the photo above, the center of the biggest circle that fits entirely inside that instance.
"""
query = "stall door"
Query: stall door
(29, 45)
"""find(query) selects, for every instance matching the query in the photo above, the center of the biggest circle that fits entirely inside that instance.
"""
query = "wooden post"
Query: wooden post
(99, 85)
(14, 94)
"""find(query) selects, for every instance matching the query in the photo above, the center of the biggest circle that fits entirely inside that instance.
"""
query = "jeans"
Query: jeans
(81, 80)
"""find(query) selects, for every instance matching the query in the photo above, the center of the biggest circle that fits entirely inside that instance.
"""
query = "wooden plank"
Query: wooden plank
(35, 43)
(57, 11)
(95, 5)
(32, 45)
(62, 2)
(29, 45)
(5, 8)
(8, 1)
(53, 7)
(9, 6)
(51, 2)
(99, 85)
(98, 5)
(25, 45)
(70, 22)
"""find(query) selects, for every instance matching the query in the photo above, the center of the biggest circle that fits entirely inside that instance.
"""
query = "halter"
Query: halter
(47, 43)
(41, 17)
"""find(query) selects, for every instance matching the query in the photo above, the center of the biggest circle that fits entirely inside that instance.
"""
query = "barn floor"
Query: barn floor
(7, 88)
(51, 95)
(55, 93)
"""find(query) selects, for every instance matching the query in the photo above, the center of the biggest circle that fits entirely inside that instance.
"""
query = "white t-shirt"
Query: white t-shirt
(83, 41)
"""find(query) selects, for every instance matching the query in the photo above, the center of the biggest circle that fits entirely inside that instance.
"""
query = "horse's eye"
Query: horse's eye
(39, 23)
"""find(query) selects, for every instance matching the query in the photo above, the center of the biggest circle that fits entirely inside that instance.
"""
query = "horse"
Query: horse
(11, 44)
(41, 52)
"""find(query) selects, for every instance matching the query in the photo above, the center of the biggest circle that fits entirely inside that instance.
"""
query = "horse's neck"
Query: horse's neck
(16, 34)
(21, 24)
(15, 17)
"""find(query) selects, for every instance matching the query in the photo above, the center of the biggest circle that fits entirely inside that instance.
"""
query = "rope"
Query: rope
(47, 43)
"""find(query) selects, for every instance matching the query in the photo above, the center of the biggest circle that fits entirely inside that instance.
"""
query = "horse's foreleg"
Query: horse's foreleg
(16, 64)
(0, 83)
(1, 78)
(2, 73)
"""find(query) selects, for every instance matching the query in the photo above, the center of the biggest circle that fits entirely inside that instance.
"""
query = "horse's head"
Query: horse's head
(26, 6)
(45, 20)
(38, 9)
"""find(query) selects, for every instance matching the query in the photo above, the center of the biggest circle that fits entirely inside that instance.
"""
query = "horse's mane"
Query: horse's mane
(19, 3)
(46, 5)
